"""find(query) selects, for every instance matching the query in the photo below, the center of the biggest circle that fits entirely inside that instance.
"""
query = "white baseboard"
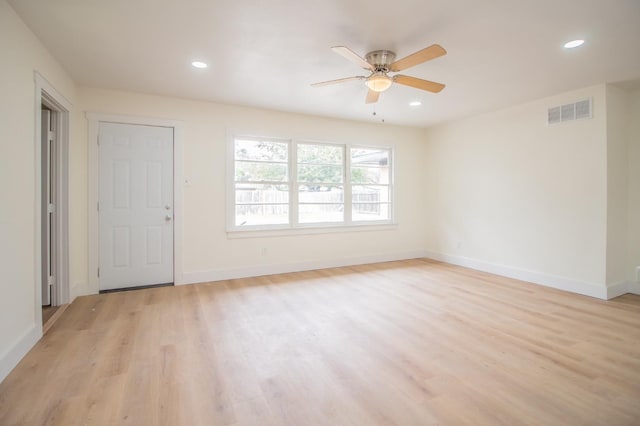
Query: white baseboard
(634, 287)
(618, 289)
(80, 289)
(18, 349)
(560, 283)
(574, 286)
(259, 270)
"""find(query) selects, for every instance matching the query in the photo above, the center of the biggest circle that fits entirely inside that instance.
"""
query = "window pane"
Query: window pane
(261, 194)
(315, 194)
(369, 157)
(261, 204)
(369, 166)
(261, 214)
(318, 213)
(370, 194)
(319, 173)
(370, 175)
(260, 172)
(370, 211)
(261, 150)
(319, 154)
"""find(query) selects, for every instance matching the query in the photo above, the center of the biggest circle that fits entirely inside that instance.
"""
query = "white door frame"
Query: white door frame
(46, 94)
(94, 179)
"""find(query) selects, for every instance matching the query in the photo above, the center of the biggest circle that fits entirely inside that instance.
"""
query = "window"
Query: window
(320, 182)
(261, 174)
(370, 184)
(282, 184)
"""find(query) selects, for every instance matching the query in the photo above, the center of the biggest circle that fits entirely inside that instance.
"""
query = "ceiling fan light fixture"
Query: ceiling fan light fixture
(379, 82)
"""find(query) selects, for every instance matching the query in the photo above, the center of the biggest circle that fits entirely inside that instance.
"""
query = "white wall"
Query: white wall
(207, 251)
(20, 55)
(509, 194)
(634, 187)
(617, 185)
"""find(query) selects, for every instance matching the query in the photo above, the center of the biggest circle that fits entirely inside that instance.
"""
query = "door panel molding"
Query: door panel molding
(94, 120)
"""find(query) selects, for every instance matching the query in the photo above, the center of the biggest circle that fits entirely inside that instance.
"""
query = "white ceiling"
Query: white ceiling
(265, 53)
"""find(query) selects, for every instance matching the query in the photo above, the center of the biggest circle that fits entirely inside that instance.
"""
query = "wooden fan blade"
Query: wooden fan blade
(372, 97)
(418, 83)
(353, 57)
(424, 55)
(340, 80)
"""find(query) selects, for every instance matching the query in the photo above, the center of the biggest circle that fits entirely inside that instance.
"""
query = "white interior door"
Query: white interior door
(48, 206)
(135, 207)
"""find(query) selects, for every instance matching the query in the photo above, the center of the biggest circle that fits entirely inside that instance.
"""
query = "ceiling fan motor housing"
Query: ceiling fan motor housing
(381, 59)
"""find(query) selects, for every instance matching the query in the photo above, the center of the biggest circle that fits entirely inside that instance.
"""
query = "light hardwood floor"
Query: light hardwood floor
(405, 343)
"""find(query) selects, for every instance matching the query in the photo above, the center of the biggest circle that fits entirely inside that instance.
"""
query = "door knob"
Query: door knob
(167, 218)
(167, 207)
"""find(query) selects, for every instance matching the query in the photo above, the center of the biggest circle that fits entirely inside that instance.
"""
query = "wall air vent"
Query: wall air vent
(554, 115)
(569, 112)
(583, 109)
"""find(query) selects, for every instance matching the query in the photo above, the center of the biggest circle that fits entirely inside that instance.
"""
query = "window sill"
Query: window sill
(327, 229)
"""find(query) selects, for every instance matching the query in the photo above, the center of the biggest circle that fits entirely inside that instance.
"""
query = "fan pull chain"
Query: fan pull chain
(375, 114)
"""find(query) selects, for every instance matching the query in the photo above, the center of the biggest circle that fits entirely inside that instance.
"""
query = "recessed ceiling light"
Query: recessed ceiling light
(199, 64)
(573, 43)
(415, 103)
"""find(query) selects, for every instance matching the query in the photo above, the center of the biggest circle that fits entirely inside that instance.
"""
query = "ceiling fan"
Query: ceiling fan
(381, 63)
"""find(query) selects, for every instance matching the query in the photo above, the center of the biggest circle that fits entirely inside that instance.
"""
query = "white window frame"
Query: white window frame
(231, 184)
(390, 184)
(294, 222)
(294, 227)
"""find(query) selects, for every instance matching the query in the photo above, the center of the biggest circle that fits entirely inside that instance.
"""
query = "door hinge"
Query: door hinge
(52, 136)
(51, 280)
(98, 272)
(51, 208)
